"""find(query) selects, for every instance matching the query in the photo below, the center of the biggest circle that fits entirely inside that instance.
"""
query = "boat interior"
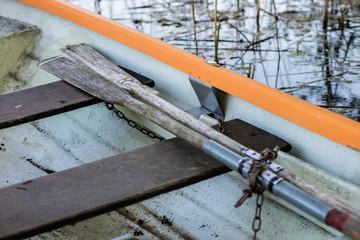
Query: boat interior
(70, 168)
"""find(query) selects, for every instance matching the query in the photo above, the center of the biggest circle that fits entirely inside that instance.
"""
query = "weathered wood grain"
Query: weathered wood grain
(87, 56)
(47, 100)
(47, 202)
(42, 101)
(90, 81)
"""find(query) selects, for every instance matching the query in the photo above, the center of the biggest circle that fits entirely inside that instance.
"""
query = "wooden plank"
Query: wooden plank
(253, 137)
(47, 100)
(61, 198)
(42, 101)
(144, 80)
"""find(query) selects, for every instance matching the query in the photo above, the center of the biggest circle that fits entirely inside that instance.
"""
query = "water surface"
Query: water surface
(284, 45)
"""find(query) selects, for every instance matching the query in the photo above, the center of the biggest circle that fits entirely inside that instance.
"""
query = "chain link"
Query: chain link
(256, 168)
(256, 225)
(221, 126)
(132, 123)
(257, 219)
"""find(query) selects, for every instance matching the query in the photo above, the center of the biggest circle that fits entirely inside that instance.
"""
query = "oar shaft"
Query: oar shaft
(285, 190)
(229, 143)
(181, 116)
(163, 120)
(318, 193)
(268, 180)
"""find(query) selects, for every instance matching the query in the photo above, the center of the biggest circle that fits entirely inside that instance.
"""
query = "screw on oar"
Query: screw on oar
(90, 81)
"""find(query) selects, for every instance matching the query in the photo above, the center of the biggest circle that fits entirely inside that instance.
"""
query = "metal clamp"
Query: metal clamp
(251, 153)
(244, 166)
(271, 179)
(275, 167)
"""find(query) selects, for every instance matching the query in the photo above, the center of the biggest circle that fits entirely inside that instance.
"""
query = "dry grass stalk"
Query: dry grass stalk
(194, 25)
(325, 14)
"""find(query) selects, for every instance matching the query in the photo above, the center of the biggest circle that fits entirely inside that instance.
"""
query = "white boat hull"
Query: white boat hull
(204, 210)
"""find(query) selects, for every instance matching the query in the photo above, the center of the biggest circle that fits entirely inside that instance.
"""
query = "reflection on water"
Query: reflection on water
(280, 43)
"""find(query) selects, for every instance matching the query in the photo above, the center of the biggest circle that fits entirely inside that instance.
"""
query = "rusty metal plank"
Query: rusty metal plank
(61, 198)
(47, 100)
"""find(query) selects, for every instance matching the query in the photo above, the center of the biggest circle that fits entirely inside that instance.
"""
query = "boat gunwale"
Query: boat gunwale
(309, 116)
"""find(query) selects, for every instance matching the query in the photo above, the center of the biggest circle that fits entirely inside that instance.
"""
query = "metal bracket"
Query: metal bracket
(271, 179)
(207, 96)
(251, 153)
(275, 167)
(245, 164)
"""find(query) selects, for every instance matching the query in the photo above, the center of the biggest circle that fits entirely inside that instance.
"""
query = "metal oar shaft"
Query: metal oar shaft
(91, 82)
(269, 181)
(286, 191)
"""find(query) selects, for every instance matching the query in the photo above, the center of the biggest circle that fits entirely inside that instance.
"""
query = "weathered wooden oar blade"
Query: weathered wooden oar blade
(86, 55)
(84, 78)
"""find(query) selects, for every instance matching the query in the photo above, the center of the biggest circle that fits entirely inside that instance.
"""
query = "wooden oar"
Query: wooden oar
(86, 55)
(91, 82)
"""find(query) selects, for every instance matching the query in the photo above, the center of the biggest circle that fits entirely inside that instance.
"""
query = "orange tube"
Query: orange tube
(324, 122)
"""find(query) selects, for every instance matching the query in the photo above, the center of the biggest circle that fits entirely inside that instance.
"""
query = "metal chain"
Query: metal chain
(256, 225)
(256, 168)
(132, 123)
(221, 125)
(257, 219)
